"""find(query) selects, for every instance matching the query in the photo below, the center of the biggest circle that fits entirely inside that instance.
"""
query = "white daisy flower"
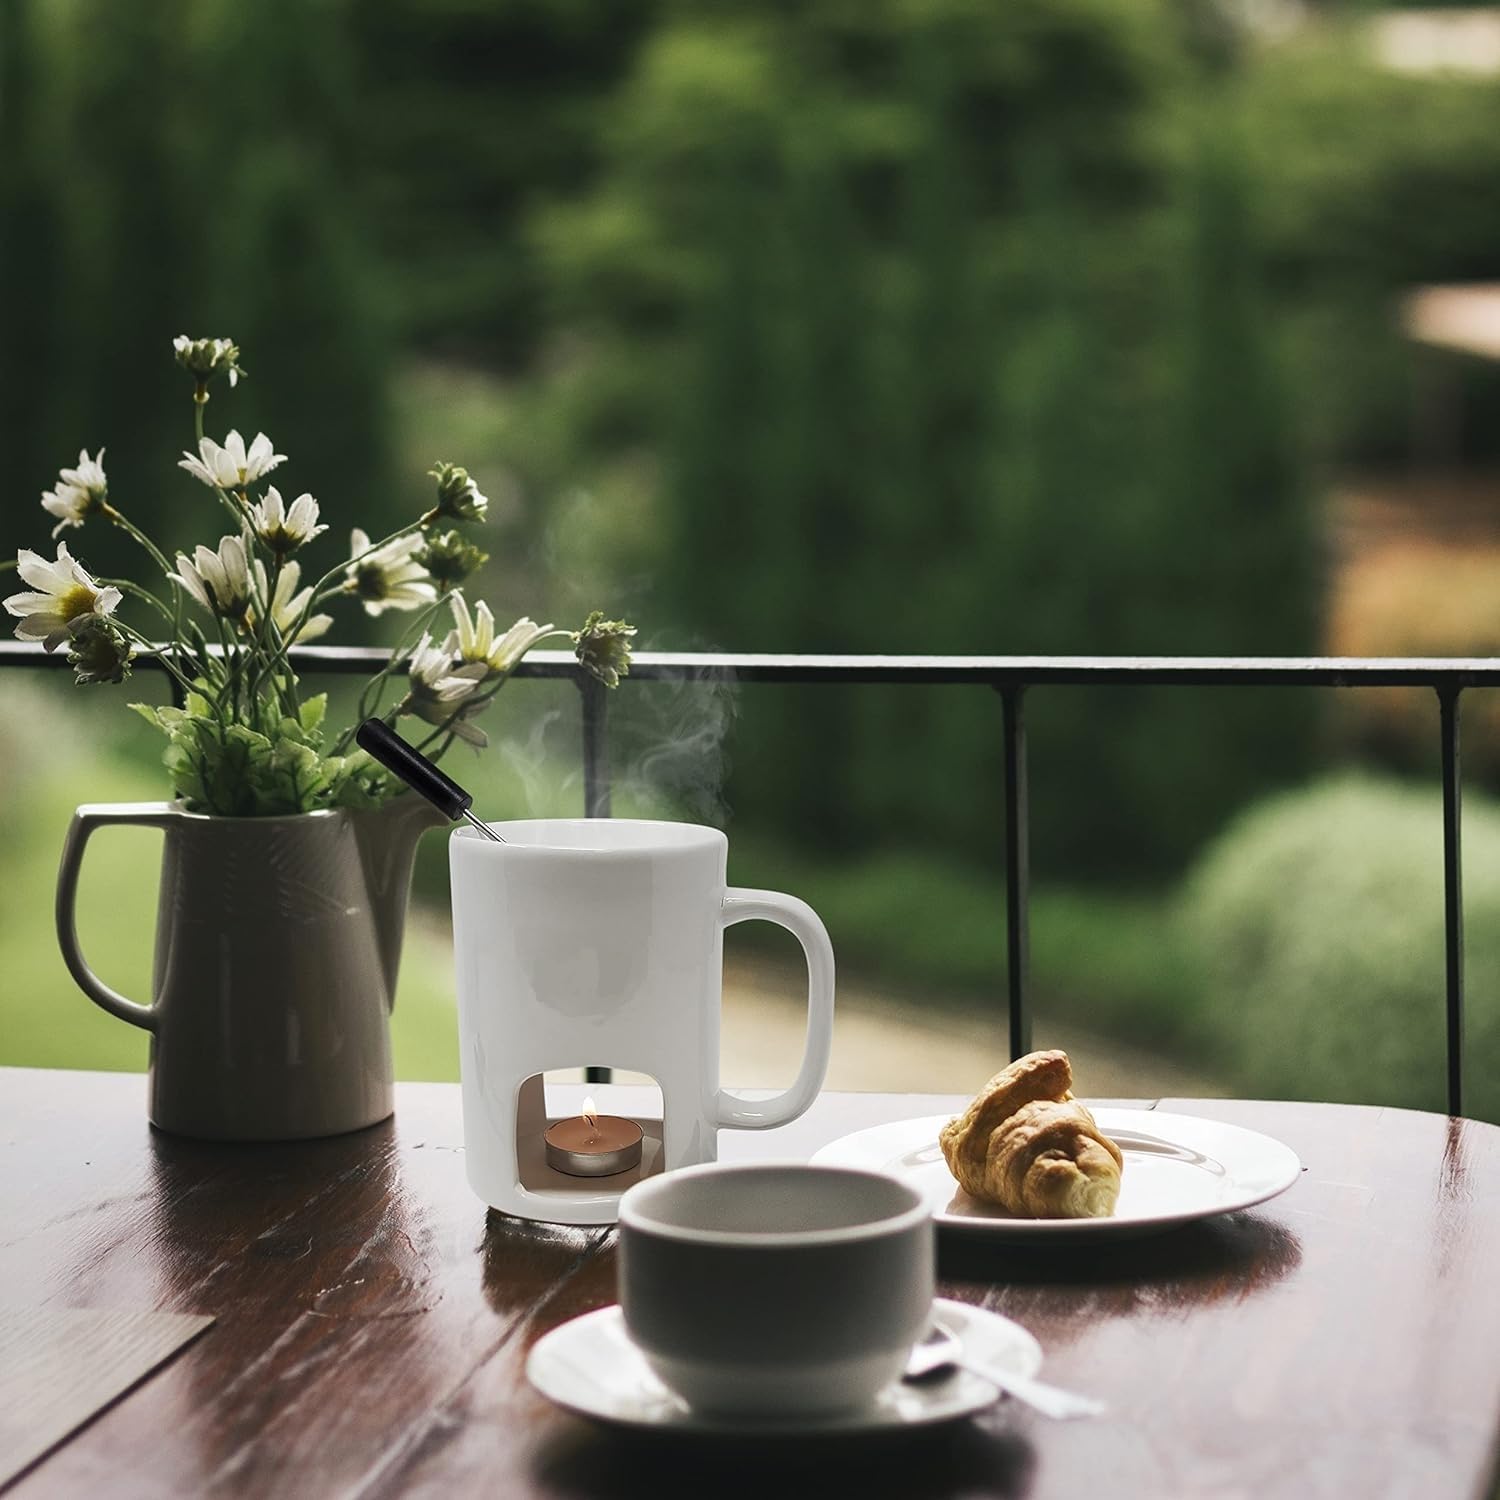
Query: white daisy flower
(474, 639)
(287, 606)
(231, 467)
(439, 689)
(78, 492)
(69, 505)
(389, 577)
(219, 581)
(284, 528)
(64, 596)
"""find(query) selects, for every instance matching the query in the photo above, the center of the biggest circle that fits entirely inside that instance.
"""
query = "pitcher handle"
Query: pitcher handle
(85, 821)
(807, 927)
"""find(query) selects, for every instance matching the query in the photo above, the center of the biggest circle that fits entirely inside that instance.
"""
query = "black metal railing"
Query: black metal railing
(1012, 677)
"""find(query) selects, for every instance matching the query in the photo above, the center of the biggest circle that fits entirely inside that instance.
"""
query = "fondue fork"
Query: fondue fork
(419, 773)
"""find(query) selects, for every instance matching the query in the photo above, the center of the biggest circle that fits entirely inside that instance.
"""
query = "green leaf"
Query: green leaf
(164, 717)
(255, 746)
(357, 781)
(312, 712)
(181, 761)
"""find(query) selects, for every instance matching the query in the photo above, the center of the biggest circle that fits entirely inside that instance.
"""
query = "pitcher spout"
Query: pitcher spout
(387, 840)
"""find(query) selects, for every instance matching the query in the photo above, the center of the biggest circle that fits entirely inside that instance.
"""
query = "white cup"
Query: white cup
(600, 941)
(767, 1289)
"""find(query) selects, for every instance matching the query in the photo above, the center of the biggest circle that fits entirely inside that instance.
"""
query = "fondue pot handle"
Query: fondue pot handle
(807, 927)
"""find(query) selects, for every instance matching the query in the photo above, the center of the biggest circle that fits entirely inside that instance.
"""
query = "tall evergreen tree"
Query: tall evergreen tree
(33, 363)
(182, 168)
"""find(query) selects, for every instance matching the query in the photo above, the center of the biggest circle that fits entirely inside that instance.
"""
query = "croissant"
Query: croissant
(1026, 1144)
(966, 1140)
(1051, 1161)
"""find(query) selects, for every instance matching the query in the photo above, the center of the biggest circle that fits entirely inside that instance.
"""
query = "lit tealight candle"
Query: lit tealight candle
(593, 1145)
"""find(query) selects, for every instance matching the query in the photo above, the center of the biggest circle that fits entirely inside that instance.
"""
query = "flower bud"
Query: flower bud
(98, 650)
(603, 648)
(450, 559)
(206, 358)
(458, 495)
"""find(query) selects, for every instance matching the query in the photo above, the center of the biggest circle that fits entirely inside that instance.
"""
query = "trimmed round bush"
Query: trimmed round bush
(1316, 922)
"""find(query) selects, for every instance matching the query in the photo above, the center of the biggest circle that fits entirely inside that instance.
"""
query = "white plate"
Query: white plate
(1177, 1168)
(590, 1366)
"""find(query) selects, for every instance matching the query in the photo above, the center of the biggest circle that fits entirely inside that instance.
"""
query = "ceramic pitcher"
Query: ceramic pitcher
(277, 946)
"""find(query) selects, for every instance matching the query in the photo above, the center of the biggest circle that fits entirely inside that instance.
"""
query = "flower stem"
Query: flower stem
(145, 595)
(441, 729)
(317, 595)
(118, 518)
(231, 659)
(442, 749)
(206, 661)
(163, 658)
(398, 653)
(260, 669)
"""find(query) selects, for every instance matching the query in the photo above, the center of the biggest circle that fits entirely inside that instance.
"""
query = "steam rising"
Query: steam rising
(529, 762)
(666, 740)
(667, 754)
(667, 746)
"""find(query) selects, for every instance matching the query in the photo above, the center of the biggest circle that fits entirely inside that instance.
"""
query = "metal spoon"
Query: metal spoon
(419, 773)
(942, 1349)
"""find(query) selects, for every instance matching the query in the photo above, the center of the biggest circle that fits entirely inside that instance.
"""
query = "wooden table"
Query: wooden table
(373, 1320)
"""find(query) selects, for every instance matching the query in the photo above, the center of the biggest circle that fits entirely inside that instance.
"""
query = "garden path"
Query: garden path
(885, 1040)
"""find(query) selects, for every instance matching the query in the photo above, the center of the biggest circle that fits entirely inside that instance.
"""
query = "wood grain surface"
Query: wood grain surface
(61, 1365)
(373, 1319)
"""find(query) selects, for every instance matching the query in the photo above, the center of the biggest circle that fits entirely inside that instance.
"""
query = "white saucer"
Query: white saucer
(589, 1366)
(1177, 1168)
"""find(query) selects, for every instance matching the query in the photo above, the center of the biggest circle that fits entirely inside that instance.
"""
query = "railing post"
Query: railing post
(595, 784)
(174, 687)
(1453, 897)
(1017, 871)
(595, 747)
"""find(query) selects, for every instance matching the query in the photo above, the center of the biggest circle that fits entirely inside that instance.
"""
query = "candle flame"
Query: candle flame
(590, 1112)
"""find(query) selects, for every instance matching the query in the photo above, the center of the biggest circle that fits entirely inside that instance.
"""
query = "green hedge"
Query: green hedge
(1317, 923)
(933, 929)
